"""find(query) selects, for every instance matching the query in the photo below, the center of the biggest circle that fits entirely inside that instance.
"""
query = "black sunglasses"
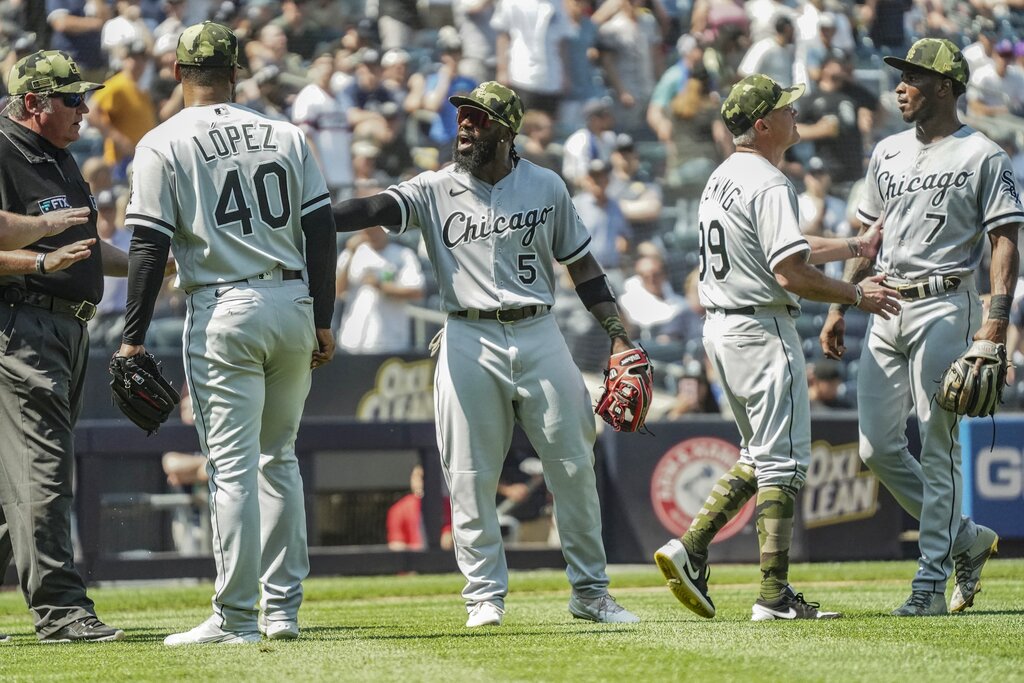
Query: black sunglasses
(73, 100)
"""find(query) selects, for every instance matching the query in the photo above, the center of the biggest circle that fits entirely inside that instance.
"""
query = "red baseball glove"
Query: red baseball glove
(627, 390)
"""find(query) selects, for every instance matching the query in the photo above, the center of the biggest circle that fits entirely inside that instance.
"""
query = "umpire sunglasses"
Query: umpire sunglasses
(72, 99)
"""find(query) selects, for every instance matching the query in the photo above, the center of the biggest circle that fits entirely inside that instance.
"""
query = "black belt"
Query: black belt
(505, 315)
(750, 310)
(83, 310)
(922, 289)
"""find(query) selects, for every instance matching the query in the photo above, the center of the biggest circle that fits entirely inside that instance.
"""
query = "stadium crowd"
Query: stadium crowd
(622, 98)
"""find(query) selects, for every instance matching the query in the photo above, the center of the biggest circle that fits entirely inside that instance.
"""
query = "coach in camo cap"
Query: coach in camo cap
(208, 44)
(45, 72)
(754, 98)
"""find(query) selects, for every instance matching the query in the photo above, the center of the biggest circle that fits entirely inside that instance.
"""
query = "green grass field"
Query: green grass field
(410, 628)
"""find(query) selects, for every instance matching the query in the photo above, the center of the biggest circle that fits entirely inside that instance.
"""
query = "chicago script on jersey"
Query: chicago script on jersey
(225, 140)
(890, 186)
(460, 228)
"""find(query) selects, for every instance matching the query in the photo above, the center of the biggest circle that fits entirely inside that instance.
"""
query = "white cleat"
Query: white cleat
(602, 609)
(484, 614)
(209, 632)
(280, 630)
(687, 578)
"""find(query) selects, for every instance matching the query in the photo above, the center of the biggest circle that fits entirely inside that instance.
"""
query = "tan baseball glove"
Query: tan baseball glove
(973, 383)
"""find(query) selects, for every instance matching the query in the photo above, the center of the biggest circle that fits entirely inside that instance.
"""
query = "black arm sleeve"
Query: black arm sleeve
(321, 261)
(146, 260)
(366, 212)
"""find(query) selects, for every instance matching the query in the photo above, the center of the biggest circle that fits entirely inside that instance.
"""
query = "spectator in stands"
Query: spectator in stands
(773, 55)
(271, 49)
(76, 26)
(672, 82)
(638, 197)
(405, 518)
(594, 142)
(366, 177)
(394, 72)
(694, 392)
(173, 24)
(825, 386)
(365, 97)
(997, 88)
(763, 15)
(811, 54)
(630, 46)
(394, 156)
(535, 141)
(828, 118)
(429, 93)
(811, 22)
(397, 21)
(303, 35)
(322, 116)
(167, 94)
(724, 54)
(581, 57)
(655, 313)
(524, 503)
(698, 139)
(381, 277)
(472, 18)
(530, 40)
(609, 229)
(126, 28)
(123, 111)
(821, 212)
(979, 52)
(885, 24)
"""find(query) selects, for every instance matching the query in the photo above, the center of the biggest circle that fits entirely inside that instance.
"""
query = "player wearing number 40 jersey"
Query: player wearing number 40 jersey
(754, 263)
(942, 188)
(493, 225)
(242, 202)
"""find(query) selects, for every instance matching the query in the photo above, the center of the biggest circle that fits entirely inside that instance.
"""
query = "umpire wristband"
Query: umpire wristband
(41, 263)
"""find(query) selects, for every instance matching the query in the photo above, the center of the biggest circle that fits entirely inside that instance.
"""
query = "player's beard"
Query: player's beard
(480, 154)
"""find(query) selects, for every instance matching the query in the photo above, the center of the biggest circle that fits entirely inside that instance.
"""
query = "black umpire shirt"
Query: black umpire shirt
(35, 178)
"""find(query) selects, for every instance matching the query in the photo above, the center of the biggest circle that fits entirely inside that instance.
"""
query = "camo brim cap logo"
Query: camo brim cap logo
(938, 55)
(754, 98)
(497, 100)
(45, 72)
(207, 44)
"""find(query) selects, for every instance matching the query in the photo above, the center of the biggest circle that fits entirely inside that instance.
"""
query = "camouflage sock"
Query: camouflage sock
(774, 533)
(729, 494)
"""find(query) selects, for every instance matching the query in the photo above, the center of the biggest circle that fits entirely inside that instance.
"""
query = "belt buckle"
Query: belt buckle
(85, 311)
(503, 321)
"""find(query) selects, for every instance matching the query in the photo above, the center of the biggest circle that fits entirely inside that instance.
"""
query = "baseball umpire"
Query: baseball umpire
(493, 226)
(941, 187)
(247, 211)
(754, 262)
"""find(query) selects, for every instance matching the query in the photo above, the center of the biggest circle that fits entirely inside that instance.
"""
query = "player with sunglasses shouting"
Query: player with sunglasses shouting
(493, 225)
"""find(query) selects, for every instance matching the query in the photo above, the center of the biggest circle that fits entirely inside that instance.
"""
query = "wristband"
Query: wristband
(999, 307)
(860, 296)
(40, 265)
(595, 291)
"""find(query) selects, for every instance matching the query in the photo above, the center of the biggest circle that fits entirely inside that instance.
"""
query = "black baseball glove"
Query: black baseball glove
(141, 392)
(973, 383)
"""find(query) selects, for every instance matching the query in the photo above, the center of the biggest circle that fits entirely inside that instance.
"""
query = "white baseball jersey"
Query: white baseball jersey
(263, 181)
(920, 189)
(748, 224)
(492, 247)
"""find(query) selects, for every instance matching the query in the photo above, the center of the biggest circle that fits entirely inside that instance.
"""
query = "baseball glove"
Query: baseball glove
(973, 384)
(627, 390)
(141, 392)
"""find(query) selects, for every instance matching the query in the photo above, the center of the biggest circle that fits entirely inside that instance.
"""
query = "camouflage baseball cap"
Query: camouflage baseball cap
(754, 98)
(47, 71)
(938, 55)
(495, 99)
(207, 44)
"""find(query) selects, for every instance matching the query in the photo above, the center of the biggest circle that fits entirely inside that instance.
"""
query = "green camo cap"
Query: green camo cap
(207, 44)
(938, 55)
(495, 99)
(754, 98)
(47, 71)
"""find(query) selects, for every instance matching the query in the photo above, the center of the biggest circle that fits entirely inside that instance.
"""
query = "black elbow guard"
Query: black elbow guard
(595, 291)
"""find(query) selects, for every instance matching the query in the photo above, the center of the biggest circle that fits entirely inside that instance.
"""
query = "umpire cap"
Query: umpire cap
(937, 55)
(207, 44)
(45, 72)
(754, 98)
(494, 98)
